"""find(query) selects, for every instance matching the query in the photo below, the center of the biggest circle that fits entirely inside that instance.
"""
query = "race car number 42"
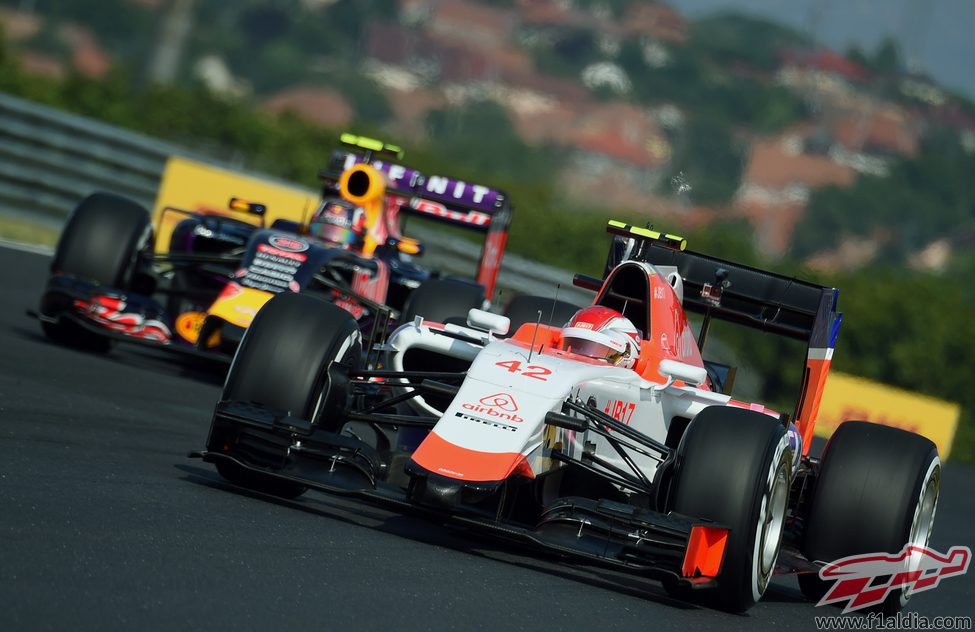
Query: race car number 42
(532, 370)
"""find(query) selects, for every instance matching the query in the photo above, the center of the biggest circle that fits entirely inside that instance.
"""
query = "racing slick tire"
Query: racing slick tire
(734, 467)
(283, 363)
(524, 309)
(99, 242)
(877, 491)
(443, 300)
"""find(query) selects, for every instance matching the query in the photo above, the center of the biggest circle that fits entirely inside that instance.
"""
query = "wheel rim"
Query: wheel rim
(923, 522)
(773, 520)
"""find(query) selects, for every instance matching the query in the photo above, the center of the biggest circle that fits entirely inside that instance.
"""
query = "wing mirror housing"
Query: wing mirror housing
(406, 245)
(674, 370)
(238, 204)
(486, 321)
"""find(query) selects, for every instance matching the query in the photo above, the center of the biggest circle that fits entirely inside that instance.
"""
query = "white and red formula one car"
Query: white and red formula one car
(608, 441)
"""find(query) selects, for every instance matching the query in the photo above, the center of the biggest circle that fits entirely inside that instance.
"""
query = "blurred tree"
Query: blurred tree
(922, 199)
(857, 55)
(348, 19)
(709, 159)
(282, 65)
(480, 136)
(369, 102)
(886, 60)
(569, 52)
(263, 24)
(732, 37)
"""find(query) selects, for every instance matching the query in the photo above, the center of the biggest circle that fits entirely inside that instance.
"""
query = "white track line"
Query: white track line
(31, 248)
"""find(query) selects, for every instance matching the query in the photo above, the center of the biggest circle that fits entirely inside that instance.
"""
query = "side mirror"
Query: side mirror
(486, 321)
(406, 245)
(693, 375)
(237, 204)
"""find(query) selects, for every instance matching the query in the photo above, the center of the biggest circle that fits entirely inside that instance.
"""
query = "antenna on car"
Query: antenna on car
(555, 301)
(538, 323)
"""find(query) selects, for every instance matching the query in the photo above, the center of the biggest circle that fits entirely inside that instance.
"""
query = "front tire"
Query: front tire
(99, 243)
(877, 491)
(101, 238)
(283, 364)
(283, 359)
(734, 467)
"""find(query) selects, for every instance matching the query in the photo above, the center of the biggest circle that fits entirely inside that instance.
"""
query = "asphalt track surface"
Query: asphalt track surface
(105, 524)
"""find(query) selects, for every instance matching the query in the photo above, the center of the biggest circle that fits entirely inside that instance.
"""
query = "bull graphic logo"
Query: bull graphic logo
(500, 400)
(915, 569)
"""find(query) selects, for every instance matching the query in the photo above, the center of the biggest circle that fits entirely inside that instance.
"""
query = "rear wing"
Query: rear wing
(748, 296)
(448, 200)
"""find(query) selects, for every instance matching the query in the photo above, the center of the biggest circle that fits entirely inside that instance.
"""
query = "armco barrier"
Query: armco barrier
(49, 159)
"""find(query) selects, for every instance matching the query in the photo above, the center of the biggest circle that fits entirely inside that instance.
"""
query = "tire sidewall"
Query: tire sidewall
(780, 464)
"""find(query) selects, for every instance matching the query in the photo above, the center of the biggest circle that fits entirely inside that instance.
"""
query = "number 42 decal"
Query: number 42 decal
(532, 370)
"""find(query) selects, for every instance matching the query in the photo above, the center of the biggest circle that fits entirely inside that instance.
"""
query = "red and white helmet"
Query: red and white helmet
(602, 333)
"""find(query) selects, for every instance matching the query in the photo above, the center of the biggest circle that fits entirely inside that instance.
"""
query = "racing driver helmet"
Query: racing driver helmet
(339, 223)
(604, 334)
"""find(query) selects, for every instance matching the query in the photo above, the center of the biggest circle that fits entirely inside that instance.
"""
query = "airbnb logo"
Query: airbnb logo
(502, 401)
(499, 405)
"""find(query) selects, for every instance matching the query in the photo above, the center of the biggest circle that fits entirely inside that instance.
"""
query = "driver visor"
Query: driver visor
(591, 349)
(334, 233)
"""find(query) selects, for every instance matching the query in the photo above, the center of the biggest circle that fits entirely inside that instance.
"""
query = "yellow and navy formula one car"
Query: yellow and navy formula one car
(611, 440)
(108, 282)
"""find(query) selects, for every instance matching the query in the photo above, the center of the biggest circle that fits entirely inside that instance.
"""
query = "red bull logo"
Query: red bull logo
(288, 243)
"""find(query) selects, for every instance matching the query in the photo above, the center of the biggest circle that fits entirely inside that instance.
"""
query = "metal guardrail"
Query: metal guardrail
(50, 159)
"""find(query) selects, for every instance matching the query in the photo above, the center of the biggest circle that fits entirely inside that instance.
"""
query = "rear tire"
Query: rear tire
(734, 467)
(443, 300)
(99, 243)
(877, 491)
(282, 363)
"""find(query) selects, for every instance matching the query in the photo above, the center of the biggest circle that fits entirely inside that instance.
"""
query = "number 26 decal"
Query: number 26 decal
(532, 370)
